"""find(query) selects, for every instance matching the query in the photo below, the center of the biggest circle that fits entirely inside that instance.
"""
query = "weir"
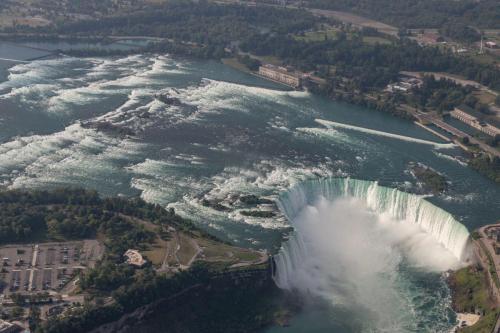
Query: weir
(330, 124)
(399, 205)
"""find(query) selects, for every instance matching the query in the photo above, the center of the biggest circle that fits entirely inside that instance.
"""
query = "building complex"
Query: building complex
(282, 75)
(474, 120)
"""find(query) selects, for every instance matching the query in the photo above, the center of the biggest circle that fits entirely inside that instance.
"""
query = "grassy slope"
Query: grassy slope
(470, 291)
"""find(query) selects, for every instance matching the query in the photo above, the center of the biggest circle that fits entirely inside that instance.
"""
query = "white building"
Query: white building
(474, 122)
(491, 45)
(134, 258)
(6, 327)
(281, 74)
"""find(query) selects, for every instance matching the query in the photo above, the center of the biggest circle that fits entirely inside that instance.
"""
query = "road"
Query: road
(489, 245)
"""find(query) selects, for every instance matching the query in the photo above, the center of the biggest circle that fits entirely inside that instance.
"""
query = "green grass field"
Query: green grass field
(375, 39)
(318, 36)
(470, 292)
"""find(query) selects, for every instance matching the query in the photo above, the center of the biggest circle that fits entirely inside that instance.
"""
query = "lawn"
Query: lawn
(318, 36)
(484, 96)
(156, 253)
(187, 249)
(214, 251)
(470, 291)
(485, 58)
(270, 60)
(234, 63)
(374, 40)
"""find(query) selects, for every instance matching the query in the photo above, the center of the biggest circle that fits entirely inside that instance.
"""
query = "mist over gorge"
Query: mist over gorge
(357, 244)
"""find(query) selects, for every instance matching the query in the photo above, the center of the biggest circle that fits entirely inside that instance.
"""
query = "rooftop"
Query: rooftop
(5, 326)
(281, 69)
(493, 121)
(134, 258)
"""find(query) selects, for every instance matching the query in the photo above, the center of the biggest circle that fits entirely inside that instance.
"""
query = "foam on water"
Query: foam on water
(56, 85)
(163, 182)
(217, 95)
(406, 207)
(330, 124)
(265, 178)
(33, 72)
(331, 134)
(450, 158)
(76, 156)
(359, 245)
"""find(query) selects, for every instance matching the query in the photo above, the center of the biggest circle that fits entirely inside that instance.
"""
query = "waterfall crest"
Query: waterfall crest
(399, 205)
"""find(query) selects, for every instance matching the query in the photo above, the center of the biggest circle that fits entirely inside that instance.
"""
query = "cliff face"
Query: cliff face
(237, 301)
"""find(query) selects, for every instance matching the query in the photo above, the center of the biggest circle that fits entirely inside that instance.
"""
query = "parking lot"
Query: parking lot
(43, 267)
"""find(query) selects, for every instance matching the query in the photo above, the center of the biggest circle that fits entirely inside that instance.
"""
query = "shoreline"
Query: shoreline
(475, 289)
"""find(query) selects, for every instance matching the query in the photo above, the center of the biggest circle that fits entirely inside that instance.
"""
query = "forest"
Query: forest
(200, 23)
(420, 14)
(369, 66)
(77, 214)
(207, 30)
(443, 95)
(490, 167)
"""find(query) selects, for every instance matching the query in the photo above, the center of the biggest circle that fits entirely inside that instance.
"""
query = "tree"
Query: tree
(494, 141)
(483, 108)
(18, 299)
(34, 318)
(17, 312)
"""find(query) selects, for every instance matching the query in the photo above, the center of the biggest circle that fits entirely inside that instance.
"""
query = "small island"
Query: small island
(430, 180)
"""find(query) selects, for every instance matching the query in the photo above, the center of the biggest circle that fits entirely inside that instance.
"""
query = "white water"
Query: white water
(330, 124)
(356, 244)
(14, 60)
(405, 207)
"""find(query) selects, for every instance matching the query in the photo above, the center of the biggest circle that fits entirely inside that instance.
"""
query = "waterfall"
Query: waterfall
(398, 205)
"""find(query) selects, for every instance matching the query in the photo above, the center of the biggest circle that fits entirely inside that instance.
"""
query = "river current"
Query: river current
(97, 123)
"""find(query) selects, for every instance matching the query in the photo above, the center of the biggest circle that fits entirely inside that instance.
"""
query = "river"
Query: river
(95, 122)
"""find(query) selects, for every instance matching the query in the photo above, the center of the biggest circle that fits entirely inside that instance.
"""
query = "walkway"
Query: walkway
(488, 244)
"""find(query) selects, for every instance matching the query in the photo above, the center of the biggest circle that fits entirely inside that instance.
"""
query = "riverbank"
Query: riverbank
(477, 310)
(239, 302)
(481, 157)
(476, 288)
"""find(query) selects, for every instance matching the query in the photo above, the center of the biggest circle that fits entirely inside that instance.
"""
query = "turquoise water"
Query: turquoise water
(95, 122)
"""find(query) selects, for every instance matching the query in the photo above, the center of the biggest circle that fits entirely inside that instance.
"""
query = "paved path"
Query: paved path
(488, 244)
(33, 264)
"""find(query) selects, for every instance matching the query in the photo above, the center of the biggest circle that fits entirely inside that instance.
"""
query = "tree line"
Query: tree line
(421, 13)
(77, 214)
(206, 30)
